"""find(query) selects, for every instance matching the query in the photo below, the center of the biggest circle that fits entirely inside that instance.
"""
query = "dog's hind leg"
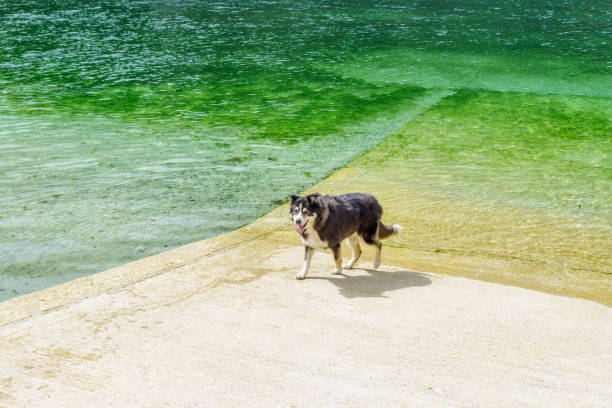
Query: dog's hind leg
(308, 252)
(353, 242)
(370, 236)
(337, 251)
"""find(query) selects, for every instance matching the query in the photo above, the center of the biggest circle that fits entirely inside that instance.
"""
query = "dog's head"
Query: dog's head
(304, 210)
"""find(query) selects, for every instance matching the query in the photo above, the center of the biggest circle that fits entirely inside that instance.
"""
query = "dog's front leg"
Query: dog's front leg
(376, 262)
(353, 242)
(337, 251)
(308, 252)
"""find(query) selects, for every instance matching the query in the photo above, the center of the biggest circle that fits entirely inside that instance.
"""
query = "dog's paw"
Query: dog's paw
(337, 272)
(376, 264)
(300, 276)
(349, 265)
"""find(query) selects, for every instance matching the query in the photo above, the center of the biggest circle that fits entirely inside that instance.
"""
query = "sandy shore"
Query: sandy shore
(223, 323)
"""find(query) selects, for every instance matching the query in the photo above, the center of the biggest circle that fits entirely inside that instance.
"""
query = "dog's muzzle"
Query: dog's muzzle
(299, 227)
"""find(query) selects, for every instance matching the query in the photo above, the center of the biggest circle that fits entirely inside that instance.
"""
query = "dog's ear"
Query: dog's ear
(313, 199)
(292, 198)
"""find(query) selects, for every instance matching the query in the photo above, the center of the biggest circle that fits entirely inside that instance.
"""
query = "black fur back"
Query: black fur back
(343, 215)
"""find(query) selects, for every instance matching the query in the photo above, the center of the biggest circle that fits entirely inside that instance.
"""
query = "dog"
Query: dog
(324, 221)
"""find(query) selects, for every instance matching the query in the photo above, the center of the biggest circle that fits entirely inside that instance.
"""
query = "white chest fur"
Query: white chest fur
(312, 239)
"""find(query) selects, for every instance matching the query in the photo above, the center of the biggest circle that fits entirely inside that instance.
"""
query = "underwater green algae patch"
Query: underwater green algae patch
(538, 151)
(305, 103)
(525, 72)
(511, 188)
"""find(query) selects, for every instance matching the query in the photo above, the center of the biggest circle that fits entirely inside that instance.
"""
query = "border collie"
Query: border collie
(324, 221)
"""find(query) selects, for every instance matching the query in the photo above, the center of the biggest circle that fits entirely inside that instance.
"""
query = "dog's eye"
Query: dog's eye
(306, 212)
(293, 210)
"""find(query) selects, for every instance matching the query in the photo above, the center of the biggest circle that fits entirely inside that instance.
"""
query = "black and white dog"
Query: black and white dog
(324, 221)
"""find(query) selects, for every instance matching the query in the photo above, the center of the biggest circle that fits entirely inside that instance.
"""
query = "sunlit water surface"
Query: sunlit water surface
(131, 127)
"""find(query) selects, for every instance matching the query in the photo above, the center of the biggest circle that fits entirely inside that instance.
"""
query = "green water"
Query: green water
(547, 152)
(131, 127)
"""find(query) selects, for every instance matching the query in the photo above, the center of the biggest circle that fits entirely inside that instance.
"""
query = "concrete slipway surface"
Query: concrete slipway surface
(223, 323)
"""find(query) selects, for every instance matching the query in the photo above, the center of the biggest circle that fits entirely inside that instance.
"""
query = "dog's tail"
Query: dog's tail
(385, 231)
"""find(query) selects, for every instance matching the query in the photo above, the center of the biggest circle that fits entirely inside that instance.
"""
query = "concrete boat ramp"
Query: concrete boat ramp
(223, 323)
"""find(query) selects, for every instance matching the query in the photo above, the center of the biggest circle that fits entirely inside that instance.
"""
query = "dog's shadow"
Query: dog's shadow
(376, 282)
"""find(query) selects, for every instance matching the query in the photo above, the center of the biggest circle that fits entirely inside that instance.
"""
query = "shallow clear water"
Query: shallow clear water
(130, 127)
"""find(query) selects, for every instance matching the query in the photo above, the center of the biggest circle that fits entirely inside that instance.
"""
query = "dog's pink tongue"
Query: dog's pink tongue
(299, 228)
